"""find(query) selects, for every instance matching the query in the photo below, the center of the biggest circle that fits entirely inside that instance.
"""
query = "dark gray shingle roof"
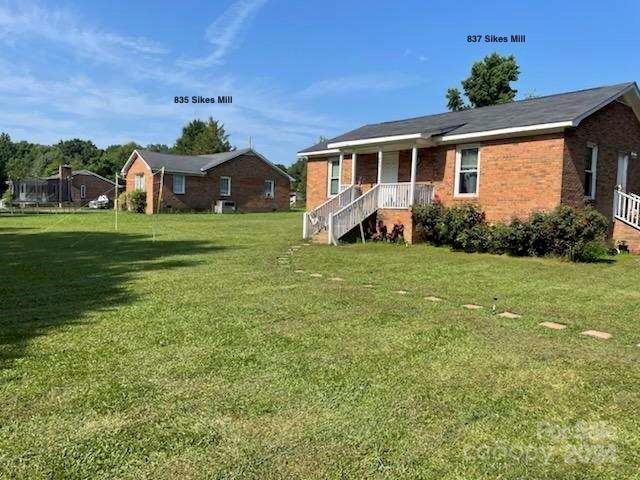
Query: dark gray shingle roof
(195, 164)
(549, 109)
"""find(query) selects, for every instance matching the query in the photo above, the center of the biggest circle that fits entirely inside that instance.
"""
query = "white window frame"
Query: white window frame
(226, 193)
(594, 171)
(329, 177)
(138, 182)
(179, 191)
(272, 188)
(456, 188)
(83, 191)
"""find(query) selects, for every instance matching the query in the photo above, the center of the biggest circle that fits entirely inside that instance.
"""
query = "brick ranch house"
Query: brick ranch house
(240, 180)
(76, 187)
(511, 160)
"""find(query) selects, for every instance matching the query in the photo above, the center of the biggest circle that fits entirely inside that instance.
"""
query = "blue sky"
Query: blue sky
(108, 71)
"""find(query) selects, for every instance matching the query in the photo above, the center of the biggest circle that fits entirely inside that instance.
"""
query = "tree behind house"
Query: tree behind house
(200, 138)
(488, 83)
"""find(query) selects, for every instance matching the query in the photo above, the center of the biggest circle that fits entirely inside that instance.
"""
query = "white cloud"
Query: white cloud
(225, 31)
(28, 20)
(359, 83)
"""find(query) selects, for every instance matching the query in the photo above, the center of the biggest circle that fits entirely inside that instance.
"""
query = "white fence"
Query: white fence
(627, 208)
(317, 219)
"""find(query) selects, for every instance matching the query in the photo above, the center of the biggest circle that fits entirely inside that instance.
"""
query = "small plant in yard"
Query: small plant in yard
(7, 197)
(123, 201)
(138, 201)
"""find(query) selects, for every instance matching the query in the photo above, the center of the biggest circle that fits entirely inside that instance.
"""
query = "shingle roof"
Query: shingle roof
(542, 110)
(315, 148)
(193, 164)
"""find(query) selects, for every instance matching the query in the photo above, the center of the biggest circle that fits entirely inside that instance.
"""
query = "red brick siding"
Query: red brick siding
(95, 187)
(627, 234)
(392, 216)
(138, 166)
(614, 129)
(248, 174)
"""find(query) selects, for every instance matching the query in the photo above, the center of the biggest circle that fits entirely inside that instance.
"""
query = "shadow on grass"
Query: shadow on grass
(52, 279)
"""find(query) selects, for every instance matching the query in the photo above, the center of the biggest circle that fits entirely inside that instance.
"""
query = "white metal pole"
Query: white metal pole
(115, 202)
(379, 164)
(340, 172)
(414, 167)
(304, 225)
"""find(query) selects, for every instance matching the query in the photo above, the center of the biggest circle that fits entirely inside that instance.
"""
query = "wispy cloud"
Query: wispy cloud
(27, 20)
(225, 31)
(359, 83)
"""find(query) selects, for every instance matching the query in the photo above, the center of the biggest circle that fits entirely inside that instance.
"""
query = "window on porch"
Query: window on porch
(334, 177)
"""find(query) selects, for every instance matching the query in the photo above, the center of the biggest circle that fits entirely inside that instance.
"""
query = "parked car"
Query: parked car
(101, 202)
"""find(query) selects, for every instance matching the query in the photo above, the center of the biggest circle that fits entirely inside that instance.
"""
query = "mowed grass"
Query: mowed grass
(182, 347)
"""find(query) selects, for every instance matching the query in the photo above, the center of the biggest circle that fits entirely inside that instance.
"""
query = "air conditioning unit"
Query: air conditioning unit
(224, 206)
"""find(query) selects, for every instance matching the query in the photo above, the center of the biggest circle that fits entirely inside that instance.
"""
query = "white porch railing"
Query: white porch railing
(317, 219)
(627, 208)
(383, 195)
(352, 214)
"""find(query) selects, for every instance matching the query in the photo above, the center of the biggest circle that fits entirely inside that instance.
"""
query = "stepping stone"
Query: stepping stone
(368, 285)
(509, 315)
(553, 325)
(471, 306)
(336, 279)
(433, 299)
(596, 334)
(401, 292)
(315, 275)
(298, 271)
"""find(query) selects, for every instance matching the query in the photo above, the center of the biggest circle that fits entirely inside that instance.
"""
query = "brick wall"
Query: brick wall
(138, 166)
(627, 234)
(392, 216)
(248, 174)
(613, 129)
(95, 187)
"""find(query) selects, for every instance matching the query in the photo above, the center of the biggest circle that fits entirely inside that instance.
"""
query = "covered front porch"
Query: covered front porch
(364, 180)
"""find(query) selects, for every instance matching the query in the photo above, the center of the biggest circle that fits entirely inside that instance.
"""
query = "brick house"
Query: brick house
(511, 160)
(76, 187)
(242, 180)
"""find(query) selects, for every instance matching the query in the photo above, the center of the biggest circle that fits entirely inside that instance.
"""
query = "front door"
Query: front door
(389, 167)
(623, 165)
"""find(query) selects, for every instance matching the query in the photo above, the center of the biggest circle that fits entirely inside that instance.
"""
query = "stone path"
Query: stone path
(315, 275)
(553, 325)
(509, 315)
(471, 306)
(401, 292)
(596, 334)
(433, 299)
(336, 279)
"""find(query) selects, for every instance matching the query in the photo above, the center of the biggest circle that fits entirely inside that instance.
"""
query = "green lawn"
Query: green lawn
(200, 355)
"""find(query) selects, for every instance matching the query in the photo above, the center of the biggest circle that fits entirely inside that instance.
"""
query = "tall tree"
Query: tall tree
(78, 153)
(112, 159)
(298, 170)
(488, 83)
(158, 147)
(200, 138)
(6, 152)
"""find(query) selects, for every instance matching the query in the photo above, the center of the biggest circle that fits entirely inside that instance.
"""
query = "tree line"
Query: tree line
(25, 159)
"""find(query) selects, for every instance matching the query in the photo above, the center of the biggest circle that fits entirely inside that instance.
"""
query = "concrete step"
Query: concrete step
(320, 237)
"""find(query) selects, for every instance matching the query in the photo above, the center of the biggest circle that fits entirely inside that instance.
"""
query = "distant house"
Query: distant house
(511, 160)
(77, 187)
(240, 180)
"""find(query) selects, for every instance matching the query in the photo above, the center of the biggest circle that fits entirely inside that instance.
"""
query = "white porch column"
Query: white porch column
(379, 164)
(414, 167)
(353, 167)
(340, 172)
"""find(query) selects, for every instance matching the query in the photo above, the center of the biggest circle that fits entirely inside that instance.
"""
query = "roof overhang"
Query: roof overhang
(330, 151)
(378, 140)
(538, 129)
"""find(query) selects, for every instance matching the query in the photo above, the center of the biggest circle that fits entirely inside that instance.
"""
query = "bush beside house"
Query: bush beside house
(565, 232)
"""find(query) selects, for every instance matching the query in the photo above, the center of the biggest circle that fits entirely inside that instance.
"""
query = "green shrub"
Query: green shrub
(588, 252)
(123, 201)
(7, 197)
(456, 220)
(566, 232)
(138, 201)
(426, 219)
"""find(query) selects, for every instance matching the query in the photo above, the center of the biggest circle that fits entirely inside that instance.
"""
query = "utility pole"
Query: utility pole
(115, 202)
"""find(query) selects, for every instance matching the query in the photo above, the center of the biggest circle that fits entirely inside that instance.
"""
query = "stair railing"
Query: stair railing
(627, 208)
(317, 220)
(352, 214)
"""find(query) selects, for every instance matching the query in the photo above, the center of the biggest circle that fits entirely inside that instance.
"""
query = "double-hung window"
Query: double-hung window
(225, 186)
(334, 177)
(178, 184)
(467, 171)
(590, 171)
(139, 181)
(269, 188)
